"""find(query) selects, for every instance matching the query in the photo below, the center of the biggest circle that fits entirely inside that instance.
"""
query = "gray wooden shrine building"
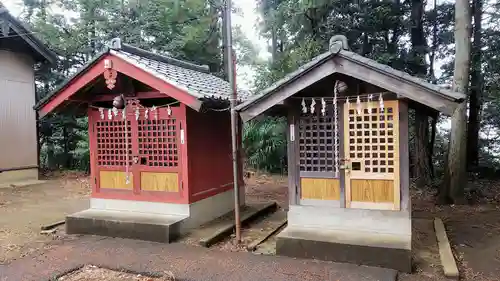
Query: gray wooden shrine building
(20, 51)
(348, 156)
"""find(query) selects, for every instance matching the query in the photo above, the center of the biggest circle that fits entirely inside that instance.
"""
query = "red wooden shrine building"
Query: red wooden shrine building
(160, 143)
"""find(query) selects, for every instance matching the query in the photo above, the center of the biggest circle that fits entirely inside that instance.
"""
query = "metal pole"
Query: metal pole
(234, 117)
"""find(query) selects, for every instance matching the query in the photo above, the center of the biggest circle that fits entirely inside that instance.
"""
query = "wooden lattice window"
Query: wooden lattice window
(372, 139)
(158, 142)
(112, 142)
(318, 147)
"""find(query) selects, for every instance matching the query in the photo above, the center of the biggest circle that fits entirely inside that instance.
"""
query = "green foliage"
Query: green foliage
(264, 143)
(77, 30)
(298, 30)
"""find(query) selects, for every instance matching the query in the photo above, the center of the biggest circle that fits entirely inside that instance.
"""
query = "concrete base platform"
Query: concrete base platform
(149, 227)
(372, 249)
(150, 221)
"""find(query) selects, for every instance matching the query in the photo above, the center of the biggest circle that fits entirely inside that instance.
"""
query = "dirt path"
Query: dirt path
(24, 210)
(475, 238)
(265, 188)
(473, 230)
(184, 262)
(260, 188)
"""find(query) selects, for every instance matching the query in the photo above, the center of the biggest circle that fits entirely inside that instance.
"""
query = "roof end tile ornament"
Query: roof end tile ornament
(338, 43)
(116, 44)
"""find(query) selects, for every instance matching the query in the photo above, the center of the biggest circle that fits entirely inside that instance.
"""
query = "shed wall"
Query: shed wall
(18, 140)
(209, 149)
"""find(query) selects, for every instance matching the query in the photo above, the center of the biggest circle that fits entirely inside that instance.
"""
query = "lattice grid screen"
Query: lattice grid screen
(317, 142)
(158, 142)
(111, 143)
(371, 138)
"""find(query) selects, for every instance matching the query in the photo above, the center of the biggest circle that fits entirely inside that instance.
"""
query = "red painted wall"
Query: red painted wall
(205, 166)
(210, 169)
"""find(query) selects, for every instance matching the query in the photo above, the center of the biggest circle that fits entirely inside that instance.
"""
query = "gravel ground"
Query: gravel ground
(94, 273)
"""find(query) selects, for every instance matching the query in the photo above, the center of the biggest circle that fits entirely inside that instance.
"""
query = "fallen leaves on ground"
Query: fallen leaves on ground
(94, 273)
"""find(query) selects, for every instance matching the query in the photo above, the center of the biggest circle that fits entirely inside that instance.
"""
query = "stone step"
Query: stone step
(372, 249)
(122, 224)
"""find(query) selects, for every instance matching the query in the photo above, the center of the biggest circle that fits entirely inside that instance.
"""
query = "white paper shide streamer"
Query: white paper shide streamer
(304, 107)
(358, 105)
(137, 113)
(313, 105)
(155, 112)
(101, 113)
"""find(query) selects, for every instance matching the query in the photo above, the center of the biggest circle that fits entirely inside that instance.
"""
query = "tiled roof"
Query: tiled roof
(197, 83)
(194, 79)
(401, 75)
(378, 67)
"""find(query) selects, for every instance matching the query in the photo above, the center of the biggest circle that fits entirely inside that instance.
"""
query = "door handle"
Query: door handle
(344, 167)
(344, 164)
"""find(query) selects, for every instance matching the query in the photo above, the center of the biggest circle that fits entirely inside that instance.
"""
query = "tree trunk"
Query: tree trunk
(430, 150)
(224, 51)
(274, 44)
(475, 90)
(422, 169)
(213, 42)
(67, 153)
(435, 43)
(455, 171)
(418, 67)
(51, 160)
(365, 51)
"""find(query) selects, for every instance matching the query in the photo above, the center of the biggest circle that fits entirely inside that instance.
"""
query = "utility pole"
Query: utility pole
(234, 118)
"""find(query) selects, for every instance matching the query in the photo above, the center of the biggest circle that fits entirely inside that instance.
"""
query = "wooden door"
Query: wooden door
(111, 148)
(151, 144)
(159, 137)
(372, 156)
(319, 154)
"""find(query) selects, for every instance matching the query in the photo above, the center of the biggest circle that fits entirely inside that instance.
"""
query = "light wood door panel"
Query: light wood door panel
(371, 146)
(320, 189)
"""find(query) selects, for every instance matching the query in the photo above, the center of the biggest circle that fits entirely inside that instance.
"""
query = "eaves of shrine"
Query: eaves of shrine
(340, 61)
(186, 82)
